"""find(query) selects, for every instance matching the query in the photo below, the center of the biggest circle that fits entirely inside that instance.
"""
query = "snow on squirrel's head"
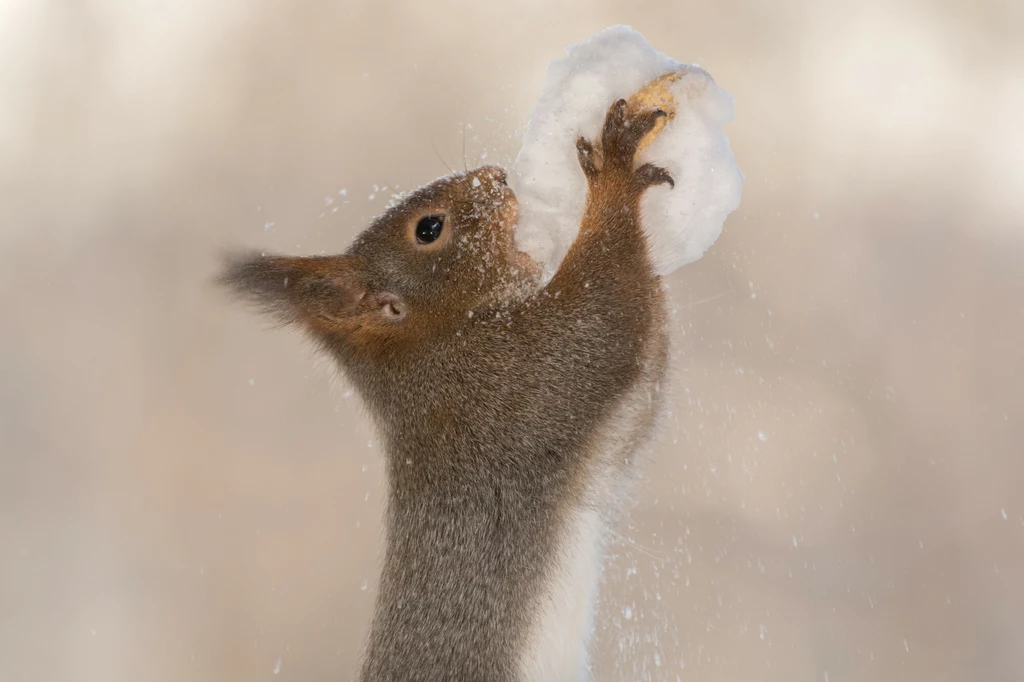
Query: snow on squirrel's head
(680, 224)
(443, 250)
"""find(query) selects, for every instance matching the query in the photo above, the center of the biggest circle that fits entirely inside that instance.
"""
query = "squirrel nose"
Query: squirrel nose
(494, 173)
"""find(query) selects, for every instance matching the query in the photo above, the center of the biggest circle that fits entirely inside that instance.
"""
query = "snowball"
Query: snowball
(681, 223)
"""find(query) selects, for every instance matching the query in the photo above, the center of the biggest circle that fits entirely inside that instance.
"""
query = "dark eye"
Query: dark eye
(429, 229)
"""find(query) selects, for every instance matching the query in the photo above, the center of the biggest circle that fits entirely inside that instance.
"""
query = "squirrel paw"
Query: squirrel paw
(619, 141)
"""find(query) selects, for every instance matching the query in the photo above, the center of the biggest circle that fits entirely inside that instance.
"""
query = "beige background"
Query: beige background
(185, 495)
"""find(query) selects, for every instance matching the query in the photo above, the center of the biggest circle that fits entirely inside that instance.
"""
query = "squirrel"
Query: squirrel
(510, 412)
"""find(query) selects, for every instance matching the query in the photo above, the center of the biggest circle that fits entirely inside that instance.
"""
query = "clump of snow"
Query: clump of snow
(681, 223)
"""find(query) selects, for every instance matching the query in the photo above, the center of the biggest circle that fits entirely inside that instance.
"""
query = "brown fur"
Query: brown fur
(486, 390)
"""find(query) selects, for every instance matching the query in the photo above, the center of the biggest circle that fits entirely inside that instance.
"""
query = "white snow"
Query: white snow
(681, 223)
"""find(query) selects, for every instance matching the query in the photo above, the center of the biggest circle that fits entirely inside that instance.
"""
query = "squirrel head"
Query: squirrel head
(444, 250)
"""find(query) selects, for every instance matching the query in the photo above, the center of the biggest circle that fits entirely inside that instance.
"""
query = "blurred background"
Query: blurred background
(186, 494)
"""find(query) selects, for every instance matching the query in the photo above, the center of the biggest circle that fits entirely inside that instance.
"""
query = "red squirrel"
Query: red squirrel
(509, 412)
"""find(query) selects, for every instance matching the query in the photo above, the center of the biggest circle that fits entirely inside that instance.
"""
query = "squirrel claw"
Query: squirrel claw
(649, 175)
(619, 142)
(621, 136)
(585, 153)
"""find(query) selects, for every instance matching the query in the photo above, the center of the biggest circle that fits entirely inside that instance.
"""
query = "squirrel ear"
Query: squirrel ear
(295, 289)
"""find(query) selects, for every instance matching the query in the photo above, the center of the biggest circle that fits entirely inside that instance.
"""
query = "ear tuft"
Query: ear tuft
(291, 288)
(261, 281)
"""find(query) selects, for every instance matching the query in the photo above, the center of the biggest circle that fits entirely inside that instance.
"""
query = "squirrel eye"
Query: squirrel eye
(429, 229)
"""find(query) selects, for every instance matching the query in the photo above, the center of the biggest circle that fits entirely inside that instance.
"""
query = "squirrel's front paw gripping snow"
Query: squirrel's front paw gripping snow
(619, 141)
